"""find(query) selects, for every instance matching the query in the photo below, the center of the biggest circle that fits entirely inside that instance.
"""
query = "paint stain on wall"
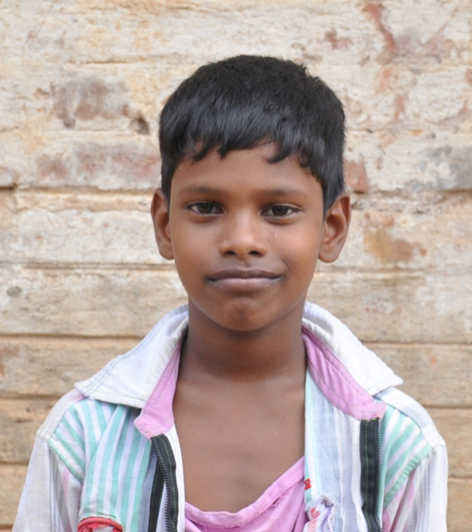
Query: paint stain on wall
(386, 248)
(336, 42)
(376, 12)
(6, 353)
(450, 166)
(381, 243)
(356, 177)
(90, 98)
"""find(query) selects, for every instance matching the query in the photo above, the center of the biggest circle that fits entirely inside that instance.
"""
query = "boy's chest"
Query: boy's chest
(234, 446)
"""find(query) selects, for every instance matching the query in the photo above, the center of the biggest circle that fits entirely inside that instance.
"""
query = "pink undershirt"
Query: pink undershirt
(280, 508)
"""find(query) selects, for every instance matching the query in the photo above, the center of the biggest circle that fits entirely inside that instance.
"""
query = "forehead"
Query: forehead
(243, 171)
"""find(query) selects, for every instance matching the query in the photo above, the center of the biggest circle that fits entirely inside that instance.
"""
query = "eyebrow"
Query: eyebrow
(275, 192)
(201, 189)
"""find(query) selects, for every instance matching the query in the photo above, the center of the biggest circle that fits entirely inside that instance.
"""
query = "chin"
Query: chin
(244, 320)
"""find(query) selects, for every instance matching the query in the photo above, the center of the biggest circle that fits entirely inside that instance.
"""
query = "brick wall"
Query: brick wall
(81, 84)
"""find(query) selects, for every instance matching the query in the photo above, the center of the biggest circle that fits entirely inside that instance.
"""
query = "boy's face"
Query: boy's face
(246, 235)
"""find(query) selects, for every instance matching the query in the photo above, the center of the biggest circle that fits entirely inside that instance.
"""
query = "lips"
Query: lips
(241, 274)
(238, 279)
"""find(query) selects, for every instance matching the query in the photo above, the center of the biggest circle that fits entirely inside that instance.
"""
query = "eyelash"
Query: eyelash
(288, 211)
(195, 208)
(214, 209)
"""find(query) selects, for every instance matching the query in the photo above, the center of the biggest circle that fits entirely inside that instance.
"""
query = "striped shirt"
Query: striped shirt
(93, 463)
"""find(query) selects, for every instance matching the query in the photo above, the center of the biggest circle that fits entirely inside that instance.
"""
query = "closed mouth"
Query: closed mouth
(242, 274)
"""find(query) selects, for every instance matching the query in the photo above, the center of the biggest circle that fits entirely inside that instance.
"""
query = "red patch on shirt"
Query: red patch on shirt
(90, 524)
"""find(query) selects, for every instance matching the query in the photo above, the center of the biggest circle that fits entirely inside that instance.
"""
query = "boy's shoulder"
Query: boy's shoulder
(361, 364)
(69, 403)
(360, 384)
(409, 413)
(371, 373)
(80, 431)
(410, 447)
(129, 379)
(121, 387)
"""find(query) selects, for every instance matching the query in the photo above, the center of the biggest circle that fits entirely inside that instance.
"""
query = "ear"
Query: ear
(336, 225)
(160, 217)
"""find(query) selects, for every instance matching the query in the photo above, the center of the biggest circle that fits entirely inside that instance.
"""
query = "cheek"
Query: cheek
(191, 257)
(185, 240)
(300, 248)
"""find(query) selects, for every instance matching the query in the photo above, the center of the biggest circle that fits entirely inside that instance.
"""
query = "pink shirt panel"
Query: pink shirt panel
(280, 508)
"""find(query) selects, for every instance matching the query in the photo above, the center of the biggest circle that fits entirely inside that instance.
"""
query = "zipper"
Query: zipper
(370, 472)
(164, 475)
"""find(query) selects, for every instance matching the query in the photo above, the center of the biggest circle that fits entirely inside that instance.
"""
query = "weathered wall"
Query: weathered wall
(81, 83)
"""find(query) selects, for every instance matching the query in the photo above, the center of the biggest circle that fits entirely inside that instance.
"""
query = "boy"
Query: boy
(279, 417)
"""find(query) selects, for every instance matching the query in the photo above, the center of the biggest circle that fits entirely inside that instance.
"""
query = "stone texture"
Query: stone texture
(103, 302)
(370, 29)
(455, 427)
(431, 239)
(415, 161)
(128, 163)
(13, 478)
(14, 161)
(81, 229)
(82, 98)
(115, 162)
(20, 420)
(8, 226)
(42, 367)
(392, 77)
(435, 375)
(411, 307)
(459, 509)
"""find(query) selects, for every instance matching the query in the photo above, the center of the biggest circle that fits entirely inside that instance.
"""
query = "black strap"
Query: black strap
(370, 472)
(156, 498)
(165, 474)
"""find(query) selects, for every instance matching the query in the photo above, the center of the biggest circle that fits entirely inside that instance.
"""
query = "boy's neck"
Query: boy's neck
(275, 351)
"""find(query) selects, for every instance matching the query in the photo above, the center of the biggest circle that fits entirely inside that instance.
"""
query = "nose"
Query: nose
(243, 236)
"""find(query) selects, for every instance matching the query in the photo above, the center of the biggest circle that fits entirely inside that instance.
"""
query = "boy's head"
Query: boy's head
(253, 149)
(246, 101)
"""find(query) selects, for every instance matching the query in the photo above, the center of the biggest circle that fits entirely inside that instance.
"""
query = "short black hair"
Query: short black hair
(247, 100)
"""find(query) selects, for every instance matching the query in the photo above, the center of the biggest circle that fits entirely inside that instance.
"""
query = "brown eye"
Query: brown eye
(280, 210)
(203, 207)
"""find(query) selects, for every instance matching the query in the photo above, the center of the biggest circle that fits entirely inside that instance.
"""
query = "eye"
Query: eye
(280, 211)
(203, 207)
